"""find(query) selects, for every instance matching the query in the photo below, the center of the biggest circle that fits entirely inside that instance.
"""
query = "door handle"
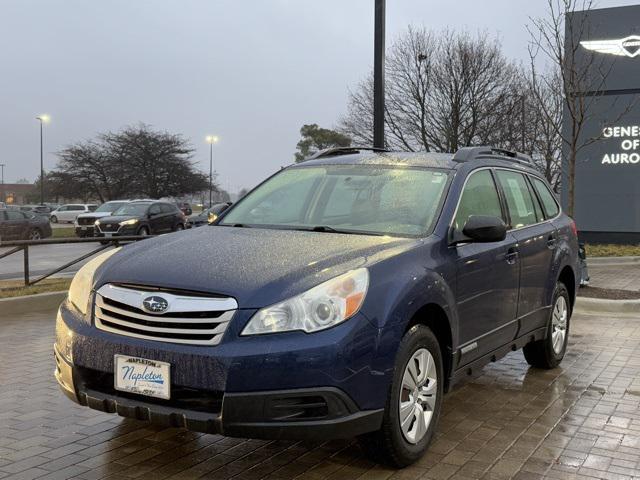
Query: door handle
(511, 256)
(551, 241)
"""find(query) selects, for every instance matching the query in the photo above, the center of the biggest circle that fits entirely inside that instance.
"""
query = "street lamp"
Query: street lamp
(211, 139)
(43, 119)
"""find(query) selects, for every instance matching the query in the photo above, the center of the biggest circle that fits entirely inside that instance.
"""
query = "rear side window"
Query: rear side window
(522, 210)
(155, 209)
(548, 199)
(479, 197)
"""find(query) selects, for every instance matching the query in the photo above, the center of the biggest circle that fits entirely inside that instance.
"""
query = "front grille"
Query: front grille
(86, 220)
(187, 319)
(109, 227)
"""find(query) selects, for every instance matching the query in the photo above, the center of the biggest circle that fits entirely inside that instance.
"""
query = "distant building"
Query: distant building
(16, 193)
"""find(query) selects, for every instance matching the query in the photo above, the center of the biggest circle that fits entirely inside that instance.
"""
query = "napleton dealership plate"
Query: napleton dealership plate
(142, 376)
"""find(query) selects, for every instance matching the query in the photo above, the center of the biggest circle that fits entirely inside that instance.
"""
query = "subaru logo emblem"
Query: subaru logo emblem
(155, 304)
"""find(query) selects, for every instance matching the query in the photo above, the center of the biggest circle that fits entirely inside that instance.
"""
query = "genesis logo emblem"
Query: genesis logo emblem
(155, 304)
(627, 46)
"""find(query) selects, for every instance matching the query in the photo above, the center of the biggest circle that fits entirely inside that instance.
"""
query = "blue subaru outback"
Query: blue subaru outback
(340, 298)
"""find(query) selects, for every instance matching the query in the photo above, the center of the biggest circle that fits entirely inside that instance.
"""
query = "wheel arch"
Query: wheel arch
(436, 319)
(568, 278)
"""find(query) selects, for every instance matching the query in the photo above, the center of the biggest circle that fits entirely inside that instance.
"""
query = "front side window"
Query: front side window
(366, 199)
(522, 210)
(480, 197)
(548, 200)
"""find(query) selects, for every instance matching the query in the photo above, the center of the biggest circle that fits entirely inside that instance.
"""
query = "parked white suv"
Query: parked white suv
(68, 213)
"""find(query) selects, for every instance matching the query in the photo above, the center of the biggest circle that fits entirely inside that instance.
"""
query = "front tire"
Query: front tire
(413, 404)
(143, 232)
(35, 234)
(54, 219)
(549, 352)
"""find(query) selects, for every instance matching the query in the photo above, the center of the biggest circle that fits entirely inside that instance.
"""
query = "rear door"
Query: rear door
(155, 219)
(487, 274)
(536, 241)
(17, 224)
(5, 229)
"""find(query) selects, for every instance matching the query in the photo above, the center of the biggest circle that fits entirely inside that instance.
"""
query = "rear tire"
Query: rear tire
(401, 443)
(549, 352)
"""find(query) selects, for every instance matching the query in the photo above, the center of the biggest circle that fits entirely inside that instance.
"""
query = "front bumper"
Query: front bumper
(85, 230)
(250, 393)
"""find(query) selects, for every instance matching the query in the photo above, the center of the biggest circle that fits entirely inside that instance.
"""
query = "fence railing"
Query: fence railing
(24, 245)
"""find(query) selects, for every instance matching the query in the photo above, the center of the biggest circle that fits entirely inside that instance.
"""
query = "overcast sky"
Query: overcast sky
(250, 71)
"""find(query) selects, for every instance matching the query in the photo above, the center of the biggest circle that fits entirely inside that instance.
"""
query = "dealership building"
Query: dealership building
(607, 170)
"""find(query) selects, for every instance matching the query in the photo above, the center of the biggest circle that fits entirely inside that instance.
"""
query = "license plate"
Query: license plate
(83, 228)
(108, 234)
(142, 376)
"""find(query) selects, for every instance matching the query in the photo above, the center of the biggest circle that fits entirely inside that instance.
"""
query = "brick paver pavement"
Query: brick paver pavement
(620, 276)
(578, 421)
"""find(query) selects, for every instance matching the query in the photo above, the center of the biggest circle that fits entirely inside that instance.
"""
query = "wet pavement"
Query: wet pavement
(579, 421)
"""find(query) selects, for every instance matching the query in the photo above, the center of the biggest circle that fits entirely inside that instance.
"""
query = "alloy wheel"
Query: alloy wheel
(418, 396)
(559, 324)
(35, 235)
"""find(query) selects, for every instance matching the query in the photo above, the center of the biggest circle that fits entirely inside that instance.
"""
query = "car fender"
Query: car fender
(394, 303)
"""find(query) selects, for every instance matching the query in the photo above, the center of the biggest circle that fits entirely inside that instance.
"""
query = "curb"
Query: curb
(596, 261)
(600, 305)
(31, 303)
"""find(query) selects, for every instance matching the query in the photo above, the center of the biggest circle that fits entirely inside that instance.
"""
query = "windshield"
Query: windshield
(347, 198)
(110, 206)
(132, 209)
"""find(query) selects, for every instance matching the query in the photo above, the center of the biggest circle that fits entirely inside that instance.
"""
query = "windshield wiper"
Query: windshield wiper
(328, 229)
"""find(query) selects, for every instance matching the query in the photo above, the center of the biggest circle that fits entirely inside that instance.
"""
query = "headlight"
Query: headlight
(80, 289)
(132, 221)
(97, 223)
(324, 306)
(212, 217)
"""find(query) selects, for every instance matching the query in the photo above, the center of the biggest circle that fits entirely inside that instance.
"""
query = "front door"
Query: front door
(487, 275)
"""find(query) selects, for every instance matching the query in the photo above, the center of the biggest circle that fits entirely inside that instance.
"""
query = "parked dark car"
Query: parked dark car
(39, 210)
(17, 225)
(185, 208)
(141, 217)
(208, 216)
(340, 298)
(85, 222)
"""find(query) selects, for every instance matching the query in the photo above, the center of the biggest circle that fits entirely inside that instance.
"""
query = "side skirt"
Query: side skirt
(495, 355)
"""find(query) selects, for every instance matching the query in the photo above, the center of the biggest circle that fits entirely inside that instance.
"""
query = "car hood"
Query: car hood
(256, 266)
(117, 218)
(94, 215)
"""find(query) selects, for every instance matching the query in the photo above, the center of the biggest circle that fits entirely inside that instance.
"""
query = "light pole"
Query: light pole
(2, 198)
(211, 139)
(43, 119)
(378, 74)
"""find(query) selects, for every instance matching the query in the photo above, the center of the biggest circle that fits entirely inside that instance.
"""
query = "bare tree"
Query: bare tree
(444, 91)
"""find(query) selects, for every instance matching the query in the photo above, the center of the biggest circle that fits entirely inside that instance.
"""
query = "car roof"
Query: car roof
(419, 159)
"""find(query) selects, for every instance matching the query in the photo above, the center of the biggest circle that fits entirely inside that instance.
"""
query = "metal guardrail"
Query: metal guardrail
(23, 245)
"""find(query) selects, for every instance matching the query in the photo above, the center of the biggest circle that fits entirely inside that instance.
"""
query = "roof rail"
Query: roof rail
(466, 154)
(335, 151)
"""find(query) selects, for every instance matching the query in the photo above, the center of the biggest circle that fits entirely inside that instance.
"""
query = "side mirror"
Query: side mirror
(485, 229)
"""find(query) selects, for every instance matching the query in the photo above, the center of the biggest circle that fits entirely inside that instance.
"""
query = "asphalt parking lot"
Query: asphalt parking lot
(43, 258)
(578, 421)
